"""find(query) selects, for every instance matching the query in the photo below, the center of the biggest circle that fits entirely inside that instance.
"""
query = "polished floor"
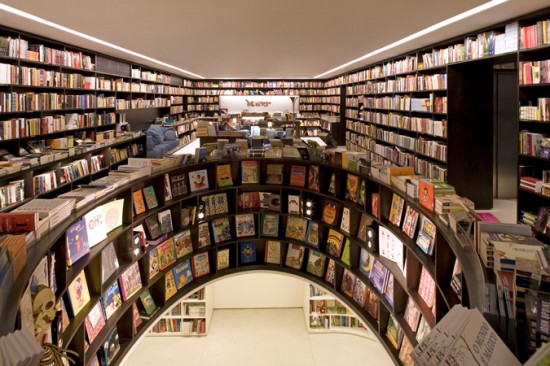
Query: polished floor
(504, 210)
(264, 337)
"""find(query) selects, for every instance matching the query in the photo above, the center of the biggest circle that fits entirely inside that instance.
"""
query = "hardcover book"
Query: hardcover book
(136, 319)
(247, 252)
(332, 184)
(244, 225)
(188, 214)
(201, 265)
(362, 200)
(109, 262)
(345, 224)
(378, 274)
(360, 293)
(204, 235)
(405, 352)
(178, 185)
(313, 235)
(298, 176)
(375, 205)
(365, 262)
(77, 242)
(183, 274)
(293, 204)
(148, 303)
(396, 210)
(313, 178)
(316, 263)
(249, 200)
(95, 226)
(388, 289)
(274, 174)
(221, 230)
(152, 228)
(426, 236)
(153, 262)
(330, 212)
(94, 322)
(130, 281)
(79, 295)
(110, 347)
(271, 201)
(223, 175)
(222, 259)
(348, 282)
(296, 228)
(391, 247)
(150, 197)
(272, 252)
(111, 300)
(335, 240)
(345, 258)
(138, 202)
(352, 188)
(166, 253)
(165, 221)
(412, 315)
(198, 180)
(410, 221)
(270, 225)
(250, 172)
(366, 222)
(167, 189)
(371, 305)
(426, 287)
(294, 256)
(183, 243)
(170, 288)
(394, 333)
(423, 329)
(427, 194)
(330, 274)
(112, 214)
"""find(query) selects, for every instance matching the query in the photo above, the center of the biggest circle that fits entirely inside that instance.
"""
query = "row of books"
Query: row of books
(534, 35)
(320, 100)
(534, 72)
(259, 84)
(28, 102)
(531, 143)
(539, 112)
(422, 125)
(434, 104)
(409, 83)
(127, 86)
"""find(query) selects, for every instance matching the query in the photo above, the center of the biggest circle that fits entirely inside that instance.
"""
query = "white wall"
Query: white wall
(258, 290)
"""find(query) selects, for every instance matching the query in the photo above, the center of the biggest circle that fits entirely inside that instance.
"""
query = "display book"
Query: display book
(189, 316)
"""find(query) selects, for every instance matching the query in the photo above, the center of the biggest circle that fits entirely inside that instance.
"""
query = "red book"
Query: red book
(426, 194)
(95, 321)
(426, 287)
(298, 175)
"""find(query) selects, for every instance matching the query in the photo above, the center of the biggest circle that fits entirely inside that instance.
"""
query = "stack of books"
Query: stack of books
(530, 183)
(51, 212)
(20, 348)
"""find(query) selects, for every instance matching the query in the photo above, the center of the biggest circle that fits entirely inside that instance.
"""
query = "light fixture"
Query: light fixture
(200, 215)
(444, 23)
(372, 245)
(269, 124)
(309, 204)
(26, 15)
(308, 212)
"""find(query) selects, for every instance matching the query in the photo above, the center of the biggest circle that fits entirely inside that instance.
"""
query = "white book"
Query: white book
(95, 226)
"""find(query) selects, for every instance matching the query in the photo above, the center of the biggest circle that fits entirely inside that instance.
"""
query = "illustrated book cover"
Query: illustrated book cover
(410, 221)
(165, 221)
(222, 259)
(244, 225)
(365, 223)
(247, 252)
(153, 262)
(330, 212)
(130, 281)
(293, 204)
(335, 241)
(330, 273)
(223, 175)
(204, 235)
(201, 265)
(375, 205)
(296, 228)
(178, 185)
(95, 226)
(166, 253)
(316, 263)
(112, 213)
(198, 180)
(378, 275)
(183, 274)
(348, 282)
(138, 202)
(272, 252)
(396, 210)
(313, 178)
(94, 322)
(79, 294)
(77, 242)
(109, 262)
(274, 174)
(313, 235)
(365, 262)
(183, 243)
(426, 235)
(152, 227)
(270, 225)
(111, 300)
(110, 347)
(250, 172)
(150, 197)
(391, 247)
(345, 222)
(294, 256)
(352, 188)
(221, 230)
(298, 176)
(148, 303)
(167, 188)
(170, 288)
(360, 293)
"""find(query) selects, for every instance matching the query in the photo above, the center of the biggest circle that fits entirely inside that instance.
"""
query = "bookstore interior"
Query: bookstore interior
(129, 187)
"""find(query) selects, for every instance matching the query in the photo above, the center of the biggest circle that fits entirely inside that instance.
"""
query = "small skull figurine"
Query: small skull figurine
(43, 306)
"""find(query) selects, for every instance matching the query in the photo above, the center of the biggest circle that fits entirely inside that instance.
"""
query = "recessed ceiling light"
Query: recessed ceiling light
(444, 23)
(23, 14)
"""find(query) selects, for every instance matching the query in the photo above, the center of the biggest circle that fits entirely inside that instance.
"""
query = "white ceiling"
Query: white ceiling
(256, 39)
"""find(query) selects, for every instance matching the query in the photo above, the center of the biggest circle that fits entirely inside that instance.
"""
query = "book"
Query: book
(422, 330)
(148, 303)
(405, 352)
(348, 283)
(170, 288)
(371, 304)
(165, 221)
(221, 230)
(293, 204)
(183, 274)
(222, 259)
(352, 188)
(95, 226)
(166, 253)
(183, 243)
(410, 221)
(201, 265)
(297, 176)
(152, 227)
(111, 300)
(345, 224)
(247, 252)
(130, 281)
(313, 178)
(138, 202)
(150, 197)
(391, 247)
(426, 287)
(274, 174)
(109, 262)
(294, 256)
(167, 189)
(426, 194)
(271, 201)
(378, 274)
(110, 347)
(394, 332)
(153, 262)
(178, 185)
(360, 293)
(332, 184)
(330, 276)
(346, 255)
(335, 241)
(316, 263)
(365, 262)
(375, 205)
(272, 252)
(112, 213)
(250, 172)
(198, 180)
(223, 175)
(364, 224)
(362, 199)
(204, 235)
(313, 235)
(249, 200)
(270, 225)
(136, 319)
(94, 322)
(396, 210)
(244, 225)
(78, 292)
(426, 236)
(77, 242)
(296, 228)
(330, 212)
(412, 314)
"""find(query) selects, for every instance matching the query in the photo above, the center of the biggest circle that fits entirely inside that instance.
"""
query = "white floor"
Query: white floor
(504, 210)
(259, 337)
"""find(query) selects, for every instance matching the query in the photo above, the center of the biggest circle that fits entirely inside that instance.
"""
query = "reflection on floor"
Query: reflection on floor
(504, 210)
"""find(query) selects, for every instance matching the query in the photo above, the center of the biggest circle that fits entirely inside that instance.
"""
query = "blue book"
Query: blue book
(312, 234)
(247, 252)
(183, 274)
(77, 242)
(110, 347)
(378, 275)
(111, 300)
(365, 262)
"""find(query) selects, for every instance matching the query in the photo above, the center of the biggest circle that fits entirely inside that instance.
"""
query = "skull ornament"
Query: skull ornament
(43, 306)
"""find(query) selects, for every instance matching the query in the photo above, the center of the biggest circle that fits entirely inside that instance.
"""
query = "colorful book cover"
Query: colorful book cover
(396, 210)
(391, 247)
(223, 175)
(95, 226)
(249, 200)
(165, 221)
(426, 236)
(365, 223)
(388, 289)
(77, 242)
(270, 225)
(412, 315)
(335, 240)
(294, 256)
(222, 259)
(150, 197)
(136, 319)
(274, 174)
(405, 352)
(313, 235)
(178, 185)
(313, 178)
(362, 200)
(345, 222)
(410, 221)
(375, 205)
(272, 252)
(352, 188)
(378, 275)
(348, 282)
(394, 333)
(201, 265)
(111, 347)
(183, 274)
(109, 262)
(330, 212)
(426, 194)
(170, 288)
(250, 172)
(130, 281)
(423, 329)
(365, 262)
(204, 235)
(153, 262)
(298, 176)
(183, 243)
(166, 253)
(221, 230)
(198, 180)
(94, 322)
(138, 202)
(148, 303)
(426, 287)
(345, 258)
(111, 300)
(244, 225)
(371, 305)
(293, 204)
(360, 293)
(247, 252)
(296, 228)
(167, 188)
(79, 295)
(330, 274)
(316, 263)
(271, 201)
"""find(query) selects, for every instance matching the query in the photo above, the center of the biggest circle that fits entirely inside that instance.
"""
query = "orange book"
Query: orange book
(426, 194)
(139, 202)
(298, 175)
